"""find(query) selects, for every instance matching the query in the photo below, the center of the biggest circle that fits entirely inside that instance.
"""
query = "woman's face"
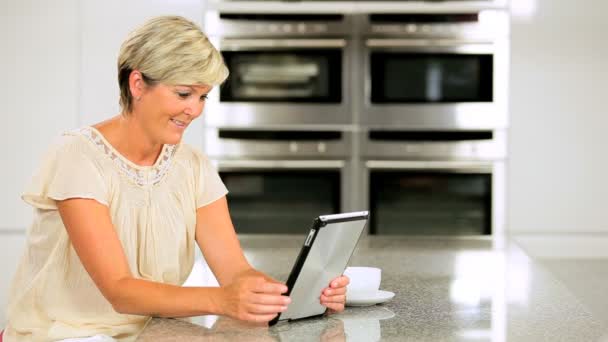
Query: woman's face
(165, 111)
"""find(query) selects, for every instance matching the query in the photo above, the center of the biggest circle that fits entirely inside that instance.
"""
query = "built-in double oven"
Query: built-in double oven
(435, 70)
(433, 121)
(280, 128)
(279, 180)
(285, 69)
(400, 113)
(434, 182)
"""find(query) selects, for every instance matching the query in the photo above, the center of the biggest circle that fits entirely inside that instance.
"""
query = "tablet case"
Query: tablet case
(323, 257)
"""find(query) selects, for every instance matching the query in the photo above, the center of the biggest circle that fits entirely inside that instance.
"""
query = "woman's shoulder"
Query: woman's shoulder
(68, 148)
(68, 170)
(69, 141)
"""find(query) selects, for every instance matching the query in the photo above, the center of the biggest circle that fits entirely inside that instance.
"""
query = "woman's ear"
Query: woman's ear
(136, 84)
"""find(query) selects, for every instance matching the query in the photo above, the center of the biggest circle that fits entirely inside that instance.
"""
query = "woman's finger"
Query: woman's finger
(260, 309)
(334, 292)
(340, 281)
(264, 286)
(270, 299)
(260, 318)
(333, 299)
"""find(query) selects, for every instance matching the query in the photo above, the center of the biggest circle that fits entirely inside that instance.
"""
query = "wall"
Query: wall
(558, 165)
(39, 64)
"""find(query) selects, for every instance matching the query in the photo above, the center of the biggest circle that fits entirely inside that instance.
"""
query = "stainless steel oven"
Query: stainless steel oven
(279, 180)
(434, 182)
(355, 5)
(435, 70)
(286, 69)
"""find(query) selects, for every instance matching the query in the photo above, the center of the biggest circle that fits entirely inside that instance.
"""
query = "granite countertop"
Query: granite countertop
(463, 289)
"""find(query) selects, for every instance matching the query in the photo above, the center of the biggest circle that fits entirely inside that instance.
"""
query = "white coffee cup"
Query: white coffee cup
(364, 281)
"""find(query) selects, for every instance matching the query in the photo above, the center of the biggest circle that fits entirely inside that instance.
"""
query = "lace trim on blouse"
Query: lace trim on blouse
(139, 177)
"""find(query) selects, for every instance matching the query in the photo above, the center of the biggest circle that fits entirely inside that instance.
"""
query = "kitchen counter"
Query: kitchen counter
(463, 289)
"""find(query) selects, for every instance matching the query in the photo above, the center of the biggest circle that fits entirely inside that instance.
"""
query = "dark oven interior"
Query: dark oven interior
(280, 202)
(406, 202)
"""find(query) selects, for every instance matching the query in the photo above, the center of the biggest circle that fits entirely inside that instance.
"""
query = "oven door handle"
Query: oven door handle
(227, 165)
(474, 46)
(451, 166)
(239, 44)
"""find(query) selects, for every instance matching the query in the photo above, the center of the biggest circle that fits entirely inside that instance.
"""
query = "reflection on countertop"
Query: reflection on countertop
(352, 325)
(462, 289)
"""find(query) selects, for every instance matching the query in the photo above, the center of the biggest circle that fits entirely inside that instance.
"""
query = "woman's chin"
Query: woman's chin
(173, 139)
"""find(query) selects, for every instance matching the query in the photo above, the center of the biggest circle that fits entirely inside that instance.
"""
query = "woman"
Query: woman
(120, 205)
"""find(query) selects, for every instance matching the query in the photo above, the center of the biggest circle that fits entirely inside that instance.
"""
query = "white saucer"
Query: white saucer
(377, 298)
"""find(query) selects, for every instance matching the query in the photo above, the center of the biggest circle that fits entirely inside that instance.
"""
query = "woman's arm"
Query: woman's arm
(216, 237)
(218, 242)
(250, 294)
(93, 236)
(248, 297)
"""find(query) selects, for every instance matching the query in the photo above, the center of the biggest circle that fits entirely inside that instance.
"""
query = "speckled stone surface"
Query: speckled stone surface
(447, 289)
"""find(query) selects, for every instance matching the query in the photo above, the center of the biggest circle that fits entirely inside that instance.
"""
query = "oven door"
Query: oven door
(283, 82)
(435, 84)
(282, 197)
(434, 197)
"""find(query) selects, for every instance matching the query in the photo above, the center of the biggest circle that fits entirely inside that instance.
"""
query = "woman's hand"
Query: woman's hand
(254, 297)
(334, 296)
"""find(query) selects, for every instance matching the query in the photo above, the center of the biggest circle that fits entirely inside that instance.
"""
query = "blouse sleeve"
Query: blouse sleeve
(210, 185)
(68, 171)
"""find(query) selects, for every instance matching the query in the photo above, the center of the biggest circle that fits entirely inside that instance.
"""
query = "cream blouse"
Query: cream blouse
(153, 209)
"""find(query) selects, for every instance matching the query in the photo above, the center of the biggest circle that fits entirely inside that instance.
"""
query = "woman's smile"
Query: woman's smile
(180, 124)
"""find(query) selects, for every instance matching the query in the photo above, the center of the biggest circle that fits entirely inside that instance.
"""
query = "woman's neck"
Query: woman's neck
(130, 139)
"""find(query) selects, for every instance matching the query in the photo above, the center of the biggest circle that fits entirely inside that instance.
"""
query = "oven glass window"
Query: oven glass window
(280, 202)
(430, 203)
(430, 78)
(283, 76)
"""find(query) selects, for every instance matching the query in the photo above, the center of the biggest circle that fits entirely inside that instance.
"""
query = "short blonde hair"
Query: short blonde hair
(170, 50)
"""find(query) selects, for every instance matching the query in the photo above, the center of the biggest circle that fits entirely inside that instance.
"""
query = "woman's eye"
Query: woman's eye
(183, 95)
(204, 97)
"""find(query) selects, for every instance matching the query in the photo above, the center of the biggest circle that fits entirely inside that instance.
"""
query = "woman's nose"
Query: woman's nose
(194, 108)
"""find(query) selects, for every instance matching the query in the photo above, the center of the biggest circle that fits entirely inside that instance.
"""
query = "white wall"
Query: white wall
(58, 62)
(558, 174)
(39, 94)
(38, 64)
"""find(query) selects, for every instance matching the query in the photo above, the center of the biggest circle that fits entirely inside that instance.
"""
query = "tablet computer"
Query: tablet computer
(328, 246)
